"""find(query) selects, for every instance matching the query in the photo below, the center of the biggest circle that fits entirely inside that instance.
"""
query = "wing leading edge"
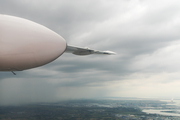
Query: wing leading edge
(86, 51)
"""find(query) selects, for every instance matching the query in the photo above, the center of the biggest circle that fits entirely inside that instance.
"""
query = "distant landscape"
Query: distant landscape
(91, 110)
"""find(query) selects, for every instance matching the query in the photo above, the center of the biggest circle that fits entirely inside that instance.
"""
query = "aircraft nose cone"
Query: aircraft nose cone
(48, 48)
(25, 44)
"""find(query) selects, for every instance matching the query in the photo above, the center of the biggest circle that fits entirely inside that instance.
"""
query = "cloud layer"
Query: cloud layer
(144, 34)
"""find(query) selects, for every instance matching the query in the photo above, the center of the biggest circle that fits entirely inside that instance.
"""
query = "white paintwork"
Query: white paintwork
(25, 44)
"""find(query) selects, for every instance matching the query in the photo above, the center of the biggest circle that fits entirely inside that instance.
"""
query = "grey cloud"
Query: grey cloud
(22, 91)
(129, 28)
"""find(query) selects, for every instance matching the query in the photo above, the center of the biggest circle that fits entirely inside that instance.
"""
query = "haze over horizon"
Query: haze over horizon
(143, 33)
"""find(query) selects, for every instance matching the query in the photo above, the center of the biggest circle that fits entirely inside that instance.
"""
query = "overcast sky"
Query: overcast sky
(145, 34)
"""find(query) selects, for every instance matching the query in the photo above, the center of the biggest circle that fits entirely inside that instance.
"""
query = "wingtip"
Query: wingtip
(110, 53)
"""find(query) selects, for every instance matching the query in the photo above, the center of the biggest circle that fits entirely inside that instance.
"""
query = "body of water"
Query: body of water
(173, 109)
(161, 112)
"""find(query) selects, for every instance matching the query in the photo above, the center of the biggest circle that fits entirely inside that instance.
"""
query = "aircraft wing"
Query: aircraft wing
(86, 51)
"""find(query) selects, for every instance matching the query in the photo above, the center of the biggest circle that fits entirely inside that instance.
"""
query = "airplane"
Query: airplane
(25, 44)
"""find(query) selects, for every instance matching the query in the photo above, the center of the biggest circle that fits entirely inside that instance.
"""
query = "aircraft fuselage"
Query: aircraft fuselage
(25, 44)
